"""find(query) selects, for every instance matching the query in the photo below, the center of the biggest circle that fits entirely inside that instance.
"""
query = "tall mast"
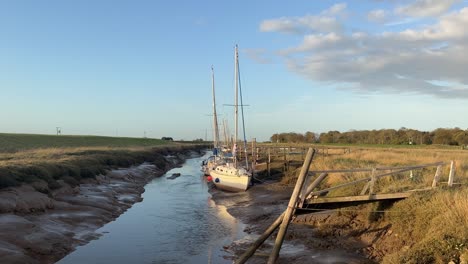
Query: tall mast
(215, 117)
(236, 104)
(242, 114)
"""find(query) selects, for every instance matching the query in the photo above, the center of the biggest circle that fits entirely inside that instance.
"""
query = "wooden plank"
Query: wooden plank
(360, 180)
(373, 197)
(378, 168)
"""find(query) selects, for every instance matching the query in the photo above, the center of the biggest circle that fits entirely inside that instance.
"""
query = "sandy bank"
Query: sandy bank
(43, 228)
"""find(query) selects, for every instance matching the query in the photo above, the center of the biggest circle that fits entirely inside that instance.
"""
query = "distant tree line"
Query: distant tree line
(402, 136)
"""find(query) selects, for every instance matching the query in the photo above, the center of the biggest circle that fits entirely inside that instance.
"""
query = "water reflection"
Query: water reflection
(177, 222)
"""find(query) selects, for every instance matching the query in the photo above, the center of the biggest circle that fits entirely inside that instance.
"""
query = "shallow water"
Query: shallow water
(177, 222)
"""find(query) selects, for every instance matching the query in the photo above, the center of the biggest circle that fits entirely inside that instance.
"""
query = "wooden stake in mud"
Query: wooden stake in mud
(251, 250)
(268, 162)
(254, 159)
(291, 207)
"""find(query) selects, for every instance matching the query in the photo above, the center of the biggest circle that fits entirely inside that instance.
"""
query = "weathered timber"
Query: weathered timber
(320, 204)
(291, 207)
(437, 176)
(251, 250)
(451, 174)
(312, 186)
(370, 178)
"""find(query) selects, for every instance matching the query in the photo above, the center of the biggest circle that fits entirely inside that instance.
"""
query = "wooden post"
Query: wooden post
(451, 174)
(291, 207)
(254, 159)
(251, 250)
(372, 182)
(284, 159)
(366, 187)
(437, 176)
(311, 187)
(268, 162)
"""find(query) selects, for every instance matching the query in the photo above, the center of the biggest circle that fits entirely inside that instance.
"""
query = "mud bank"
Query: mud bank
(43, 228)
(262, 204)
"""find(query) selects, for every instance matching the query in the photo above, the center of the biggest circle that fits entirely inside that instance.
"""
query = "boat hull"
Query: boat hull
(230, 182)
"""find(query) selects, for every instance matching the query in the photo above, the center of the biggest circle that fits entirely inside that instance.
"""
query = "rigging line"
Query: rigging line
(242, 112)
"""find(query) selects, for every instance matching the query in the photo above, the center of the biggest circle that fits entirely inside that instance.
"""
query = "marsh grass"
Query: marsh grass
(32, 158)
(432, 226)
(22, 142)
(70, 164)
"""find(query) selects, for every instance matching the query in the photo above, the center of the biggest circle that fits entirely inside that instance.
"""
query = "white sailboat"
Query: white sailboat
(232, 176)
(217, 159)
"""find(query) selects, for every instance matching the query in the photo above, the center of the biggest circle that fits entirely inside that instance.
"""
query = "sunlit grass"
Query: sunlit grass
(432, 226)
(30, 158)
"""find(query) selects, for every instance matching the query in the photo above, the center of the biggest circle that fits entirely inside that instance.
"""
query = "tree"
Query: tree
(310, 137)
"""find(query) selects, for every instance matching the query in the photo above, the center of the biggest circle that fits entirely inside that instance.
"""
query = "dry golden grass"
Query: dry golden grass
(432, 227)
(55, 154)
(390, 157)
(72, 164)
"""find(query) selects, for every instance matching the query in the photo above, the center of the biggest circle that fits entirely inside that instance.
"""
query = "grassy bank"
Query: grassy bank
(429, 227)
(21, 142)
(47, 161)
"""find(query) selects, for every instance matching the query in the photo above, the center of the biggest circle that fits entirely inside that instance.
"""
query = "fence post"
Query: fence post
(437, 176)
(254, 159)
(251, 250)
(372, 182)
(451, 174)
(268, 162)
(311, 187)
(291, 207)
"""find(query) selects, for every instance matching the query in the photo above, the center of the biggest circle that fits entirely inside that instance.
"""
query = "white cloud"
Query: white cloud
(258, 55)
(378, 62)
(325, 22)
(425, 8)
(335, 9)
(378, 15)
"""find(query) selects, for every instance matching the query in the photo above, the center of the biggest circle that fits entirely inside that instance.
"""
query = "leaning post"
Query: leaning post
(451, 174)
(291, 207)
(437, 176)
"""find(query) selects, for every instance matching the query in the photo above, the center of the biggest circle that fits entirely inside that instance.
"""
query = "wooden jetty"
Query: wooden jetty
(305, 199)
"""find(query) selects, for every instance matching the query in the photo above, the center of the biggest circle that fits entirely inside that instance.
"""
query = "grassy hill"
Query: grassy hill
(18, 142)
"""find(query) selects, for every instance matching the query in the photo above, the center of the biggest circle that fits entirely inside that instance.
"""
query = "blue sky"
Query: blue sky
(126, 67)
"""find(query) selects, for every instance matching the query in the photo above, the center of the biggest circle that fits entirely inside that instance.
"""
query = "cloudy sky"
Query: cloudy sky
(129, 67)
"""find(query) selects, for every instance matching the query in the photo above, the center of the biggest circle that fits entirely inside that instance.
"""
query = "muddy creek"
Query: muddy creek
(177, 222)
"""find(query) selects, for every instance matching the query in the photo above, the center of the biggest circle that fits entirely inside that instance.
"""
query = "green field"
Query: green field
(19, 142)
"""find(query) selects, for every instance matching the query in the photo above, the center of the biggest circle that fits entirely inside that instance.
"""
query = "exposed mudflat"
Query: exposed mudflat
(259, 207)
(40, 228)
